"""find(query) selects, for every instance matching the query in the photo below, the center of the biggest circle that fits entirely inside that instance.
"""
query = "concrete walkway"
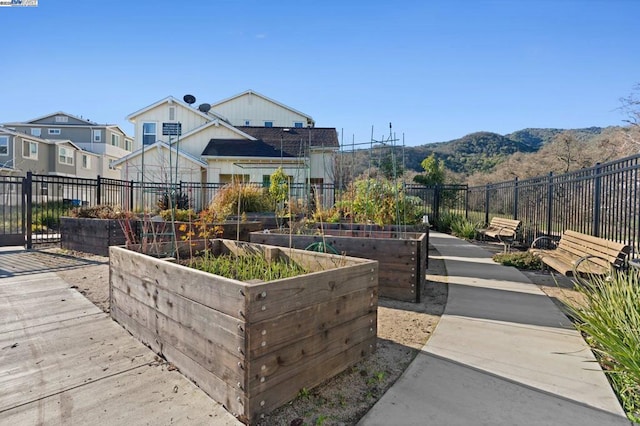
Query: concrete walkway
(63, 361)
(502, 354)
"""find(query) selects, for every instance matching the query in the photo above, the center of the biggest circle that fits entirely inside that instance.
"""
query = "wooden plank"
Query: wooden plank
(147, 395)
(283, 329)
(219, 293)
(46, 359)
(291, 363)
(267, 300)
(231, 397)
(19, 311)
(212, 353)
(598, 241)
(285, 391)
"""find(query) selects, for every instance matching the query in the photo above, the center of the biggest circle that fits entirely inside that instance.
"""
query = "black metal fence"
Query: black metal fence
(602, 200)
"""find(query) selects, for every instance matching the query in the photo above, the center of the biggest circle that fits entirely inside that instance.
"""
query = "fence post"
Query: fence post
(549, 203)
(486, 203)
(27, 191)
(98, 191)
(466, 202)
(436, 202)
(515, 198)
(597, 200)
(131, 206)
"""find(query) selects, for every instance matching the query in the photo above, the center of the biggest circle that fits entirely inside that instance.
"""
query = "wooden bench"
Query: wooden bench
(581, 254)
(504, 230)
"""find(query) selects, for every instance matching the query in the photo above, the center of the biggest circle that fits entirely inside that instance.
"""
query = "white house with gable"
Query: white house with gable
(242, 138)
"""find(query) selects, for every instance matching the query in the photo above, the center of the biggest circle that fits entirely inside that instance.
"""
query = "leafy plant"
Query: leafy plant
(521, 260)
(179, 215)
(179, 200)
(463, 228)
(610, 318)
(380, 201)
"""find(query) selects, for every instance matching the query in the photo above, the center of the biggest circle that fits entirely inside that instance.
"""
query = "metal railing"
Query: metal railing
(602, 201)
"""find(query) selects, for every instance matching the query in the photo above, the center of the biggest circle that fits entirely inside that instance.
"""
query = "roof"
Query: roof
(211, 115)
(88, 122)
(252, 92)
(242, 148)
(295, 141)
(23, 135)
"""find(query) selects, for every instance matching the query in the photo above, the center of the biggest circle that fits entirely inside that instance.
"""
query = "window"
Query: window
(97, 135)
(62, 119)
(266, 181)
(115, 140)
(298, 124)
(268, 124)
(172, 113)
(247, 122)
(86, 161)
(111, 166)
(65, 155)
(127, 144)
(30, 150)
(54, 131)
(148, 133)
(36, 132)
(4, 145)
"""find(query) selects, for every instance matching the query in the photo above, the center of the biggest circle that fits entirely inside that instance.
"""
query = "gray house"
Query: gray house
(21, 153)
(107, 141)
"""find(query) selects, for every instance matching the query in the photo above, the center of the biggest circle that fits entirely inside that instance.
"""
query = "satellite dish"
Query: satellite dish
(204, 107)
(189, 99)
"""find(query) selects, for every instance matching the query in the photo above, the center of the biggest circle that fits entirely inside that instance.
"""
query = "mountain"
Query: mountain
(479, 151)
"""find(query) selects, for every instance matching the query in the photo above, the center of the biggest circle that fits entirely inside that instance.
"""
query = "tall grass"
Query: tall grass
(611, 320)
(247, 267)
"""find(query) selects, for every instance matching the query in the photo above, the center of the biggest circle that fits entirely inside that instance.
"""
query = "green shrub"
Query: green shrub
(463, 228)
(445, 221)
(180, 215)
(610, 318)
(520, 259)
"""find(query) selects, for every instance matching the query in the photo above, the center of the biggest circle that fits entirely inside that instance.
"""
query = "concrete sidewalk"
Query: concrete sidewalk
(63, 361)
(502, 354)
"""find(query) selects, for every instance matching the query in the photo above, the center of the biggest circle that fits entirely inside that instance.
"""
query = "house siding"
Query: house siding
(257, 110)
(189, 120)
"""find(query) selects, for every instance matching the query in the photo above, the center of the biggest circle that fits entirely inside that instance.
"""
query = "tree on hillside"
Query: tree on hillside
(434, 171)
(631, 107)
(568, 152)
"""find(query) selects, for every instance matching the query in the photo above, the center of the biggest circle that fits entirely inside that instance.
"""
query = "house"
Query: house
(21, 153)
(214, 144)
(107, 141)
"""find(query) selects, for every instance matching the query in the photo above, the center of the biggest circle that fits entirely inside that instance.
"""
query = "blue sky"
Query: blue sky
(436, 70)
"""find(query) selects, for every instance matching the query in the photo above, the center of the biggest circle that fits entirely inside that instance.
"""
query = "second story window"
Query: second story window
(115, 140)
(30, 150)
(65, 155)
(86, 161)
(298, 124)
(97, 135)
(4, 145)
(172, 113)
(36, 132)
(268, 124)
(54, 131)
(62, 119)
(247, 122)
(148, 133)
(128, 144)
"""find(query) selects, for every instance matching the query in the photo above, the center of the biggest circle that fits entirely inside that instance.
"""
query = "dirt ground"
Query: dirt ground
(403, 329)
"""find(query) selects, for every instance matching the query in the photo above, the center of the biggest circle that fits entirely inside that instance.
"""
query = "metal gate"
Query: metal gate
(12, 211)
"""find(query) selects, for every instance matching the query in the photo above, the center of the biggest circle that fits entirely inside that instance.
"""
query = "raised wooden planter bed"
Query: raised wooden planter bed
(91, 235)
(403, 256)
(250, 346)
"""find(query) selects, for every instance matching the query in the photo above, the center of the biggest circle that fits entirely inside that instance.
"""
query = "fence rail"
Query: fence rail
(602, 201)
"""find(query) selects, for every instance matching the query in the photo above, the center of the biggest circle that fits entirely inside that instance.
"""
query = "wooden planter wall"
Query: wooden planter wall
(403, 256)
(252, 347)
(91, 235)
